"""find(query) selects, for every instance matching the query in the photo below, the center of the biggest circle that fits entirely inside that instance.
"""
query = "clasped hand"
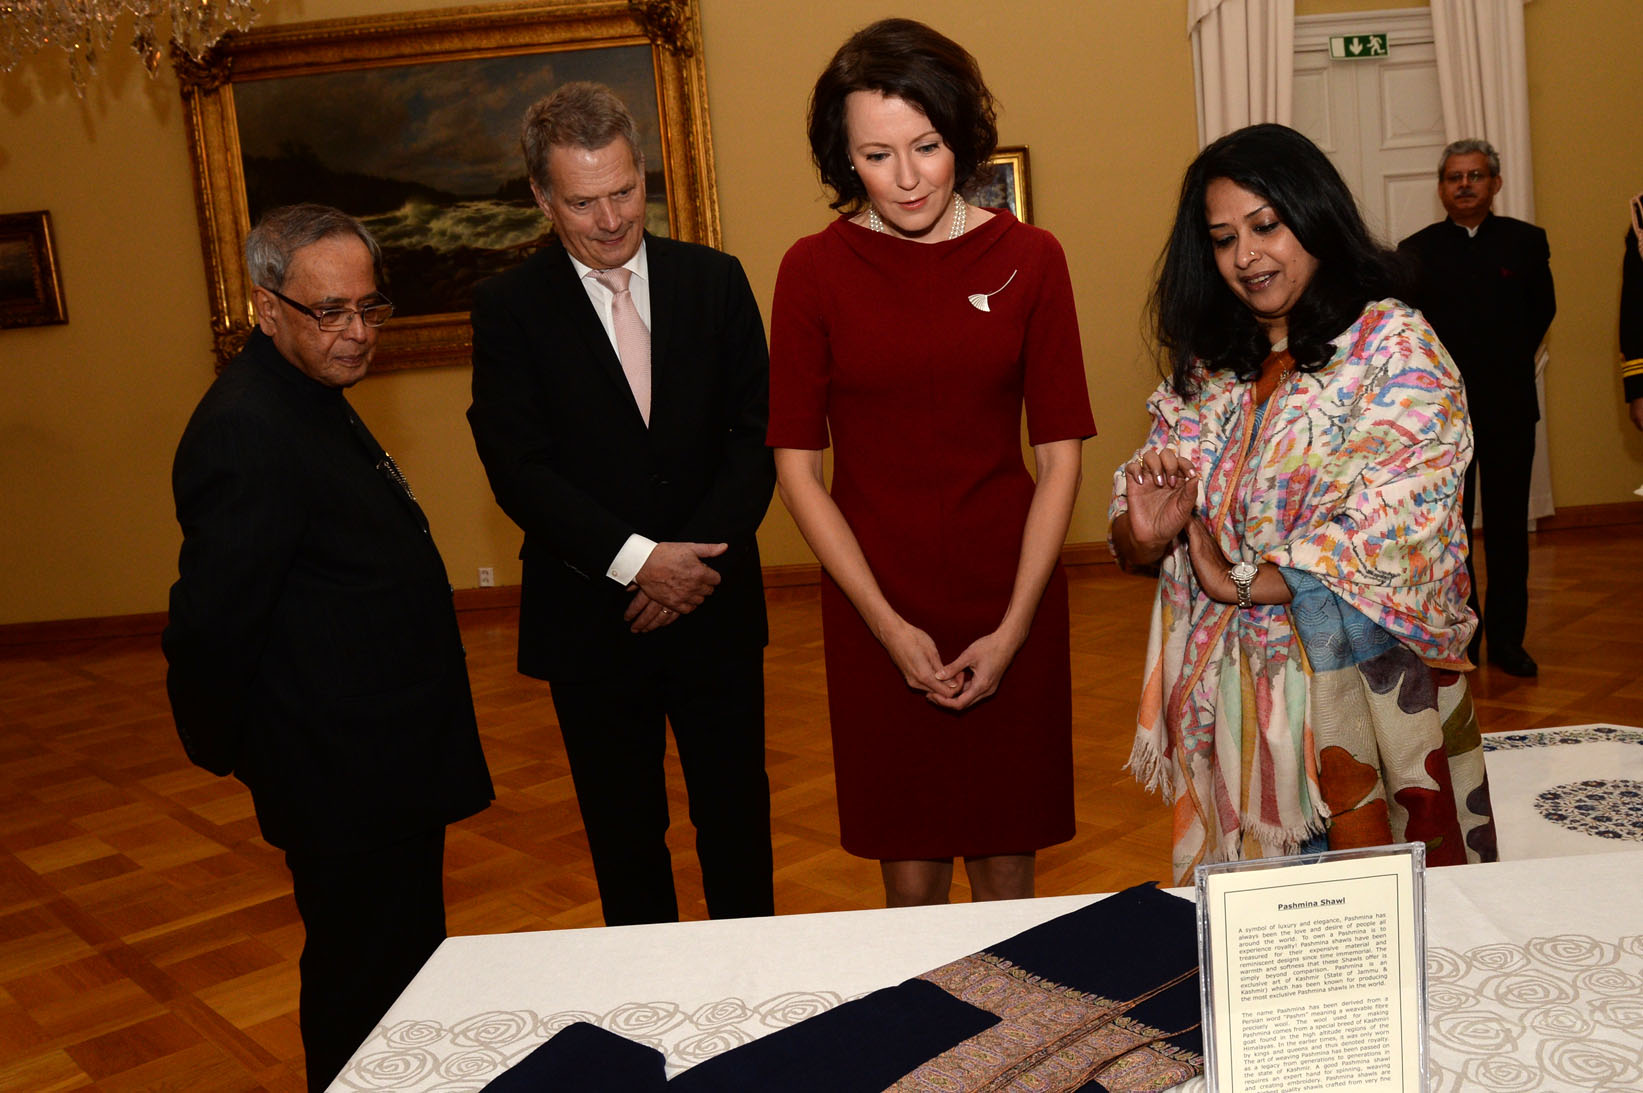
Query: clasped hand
(1163, 497)
(1162, 494)
(674, 581)
(971, 677)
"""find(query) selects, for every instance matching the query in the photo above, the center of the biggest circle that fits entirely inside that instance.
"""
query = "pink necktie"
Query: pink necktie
(632, 337)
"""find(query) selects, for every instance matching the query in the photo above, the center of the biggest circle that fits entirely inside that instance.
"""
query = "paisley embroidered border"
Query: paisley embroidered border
(1035, 1045)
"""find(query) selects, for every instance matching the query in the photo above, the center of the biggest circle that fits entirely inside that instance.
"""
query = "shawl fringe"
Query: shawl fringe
(1151, 768)
(1284, 840)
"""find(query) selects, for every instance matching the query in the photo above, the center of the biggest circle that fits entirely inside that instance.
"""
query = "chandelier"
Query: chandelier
(85, 29)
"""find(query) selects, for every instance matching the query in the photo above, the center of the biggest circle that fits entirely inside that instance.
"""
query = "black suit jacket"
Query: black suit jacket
(1489, 297)
(1631, 317)
(313, 645)
(571, 460)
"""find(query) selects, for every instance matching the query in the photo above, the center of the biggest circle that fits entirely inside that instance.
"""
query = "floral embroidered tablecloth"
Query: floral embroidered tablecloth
(1535, 981)
(1563, 791)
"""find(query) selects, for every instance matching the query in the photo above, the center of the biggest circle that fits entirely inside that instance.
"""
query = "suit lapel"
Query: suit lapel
(579, 332)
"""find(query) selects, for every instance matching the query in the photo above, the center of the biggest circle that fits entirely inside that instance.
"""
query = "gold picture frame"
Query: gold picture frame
(1004, 184)
(432, 61)
(31, 294)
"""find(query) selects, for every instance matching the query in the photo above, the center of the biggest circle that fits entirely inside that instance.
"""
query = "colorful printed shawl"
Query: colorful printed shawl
(1262, 724)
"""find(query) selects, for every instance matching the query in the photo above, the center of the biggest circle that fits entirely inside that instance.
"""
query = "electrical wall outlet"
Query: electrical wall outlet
(487, 577)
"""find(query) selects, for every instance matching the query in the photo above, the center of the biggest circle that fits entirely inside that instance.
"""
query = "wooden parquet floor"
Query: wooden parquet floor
(148, 939)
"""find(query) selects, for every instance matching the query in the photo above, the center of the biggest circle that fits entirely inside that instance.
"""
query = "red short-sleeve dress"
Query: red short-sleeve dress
(915, 359)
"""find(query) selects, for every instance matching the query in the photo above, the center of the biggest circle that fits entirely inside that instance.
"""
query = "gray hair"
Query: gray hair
(1467, 147)
(577, 115)
(284, 231)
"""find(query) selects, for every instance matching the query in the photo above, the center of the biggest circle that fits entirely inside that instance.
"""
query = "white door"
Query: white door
(1380, 121)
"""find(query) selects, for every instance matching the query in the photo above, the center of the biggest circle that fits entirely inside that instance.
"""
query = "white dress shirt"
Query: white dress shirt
(636, 551)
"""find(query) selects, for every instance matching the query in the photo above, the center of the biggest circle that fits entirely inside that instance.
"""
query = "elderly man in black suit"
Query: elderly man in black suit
(620, 394)
(313, 646)
(1484, 282)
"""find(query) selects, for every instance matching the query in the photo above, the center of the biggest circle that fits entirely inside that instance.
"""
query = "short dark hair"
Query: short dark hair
(581, 114)
(281, 232)
(1195, 314)
(903, 59)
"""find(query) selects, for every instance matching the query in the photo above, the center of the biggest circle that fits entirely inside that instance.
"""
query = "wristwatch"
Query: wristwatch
(1243, 576)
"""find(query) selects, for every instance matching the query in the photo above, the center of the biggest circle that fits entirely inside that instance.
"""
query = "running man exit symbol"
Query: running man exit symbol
(1358, 47)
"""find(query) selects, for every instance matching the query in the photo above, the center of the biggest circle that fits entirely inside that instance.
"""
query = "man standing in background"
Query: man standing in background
(1485, 284)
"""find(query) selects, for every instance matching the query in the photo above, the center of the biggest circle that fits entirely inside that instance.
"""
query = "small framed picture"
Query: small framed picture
(1003, 184)
(30, 292)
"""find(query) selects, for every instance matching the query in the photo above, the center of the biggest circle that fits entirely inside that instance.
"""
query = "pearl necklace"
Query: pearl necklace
(874, 224)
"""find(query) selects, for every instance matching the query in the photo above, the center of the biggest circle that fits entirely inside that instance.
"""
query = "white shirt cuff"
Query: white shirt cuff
(630, 559)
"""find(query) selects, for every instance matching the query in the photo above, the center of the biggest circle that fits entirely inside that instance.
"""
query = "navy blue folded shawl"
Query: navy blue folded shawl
(1104, 998)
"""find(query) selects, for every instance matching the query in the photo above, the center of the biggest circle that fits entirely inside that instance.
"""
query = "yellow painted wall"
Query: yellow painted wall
(1584, 84)
(1100, 90)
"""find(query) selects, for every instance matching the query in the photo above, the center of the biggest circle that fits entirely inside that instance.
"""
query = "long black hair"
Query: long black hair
(1195, 314)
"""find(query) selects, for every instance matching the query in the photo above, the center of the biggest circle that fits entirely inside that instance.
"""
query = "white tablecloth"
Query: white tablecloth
(1535, 976)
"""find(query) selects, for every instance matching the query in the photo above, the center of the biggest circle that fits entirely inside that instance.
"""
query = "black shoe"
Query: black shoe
(1514, 662)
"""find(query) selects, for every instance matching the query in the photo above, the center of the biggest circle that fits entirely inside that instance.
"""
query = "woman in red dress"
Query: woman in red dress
(909, 334)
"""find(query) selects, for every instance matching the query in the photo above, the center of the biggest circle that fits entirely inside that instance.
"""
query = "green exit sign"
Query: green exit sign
(1357, 47)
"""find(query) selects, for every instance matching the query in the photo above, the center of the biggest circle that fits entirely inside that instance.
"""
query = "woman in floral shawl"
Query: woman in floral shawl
(1300, 493)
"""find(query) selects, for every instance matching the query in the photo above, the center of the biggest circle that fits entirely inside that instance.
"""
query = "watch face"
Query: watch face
(1243, 571)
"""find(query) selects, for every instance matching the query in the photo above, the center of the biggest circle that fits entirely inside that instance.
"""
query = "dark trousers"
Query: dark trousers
(1507, 459)
(372, 919)
(615, 738)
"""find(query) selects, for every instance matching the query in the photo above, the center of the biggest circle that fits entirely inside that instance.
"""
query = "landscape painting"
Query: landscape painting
(428, 156)
(1003, 184)
(411, 122)
(30, 293)
(17, 283)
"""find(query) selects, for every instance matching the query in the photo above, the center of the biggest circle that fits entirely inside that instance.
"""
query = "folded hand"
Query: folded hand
(1162, 493)
(979, 670)
(915, 655)
(676, 577)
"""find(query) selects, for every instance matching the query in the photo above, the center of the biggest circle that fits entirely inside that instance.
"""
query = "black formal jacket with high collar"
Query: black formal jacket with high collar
(312, 642)
(1489, 297)
(572, 462)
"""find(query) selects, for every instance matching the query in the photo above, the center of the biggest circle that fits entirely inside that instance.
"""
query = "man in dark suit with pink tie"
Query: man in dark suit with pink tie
(620, 392)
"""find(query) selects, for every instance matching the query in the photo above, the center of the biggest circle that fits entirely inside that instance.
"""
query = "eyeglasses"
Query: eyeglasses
(333, 319)
(1455, 178)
